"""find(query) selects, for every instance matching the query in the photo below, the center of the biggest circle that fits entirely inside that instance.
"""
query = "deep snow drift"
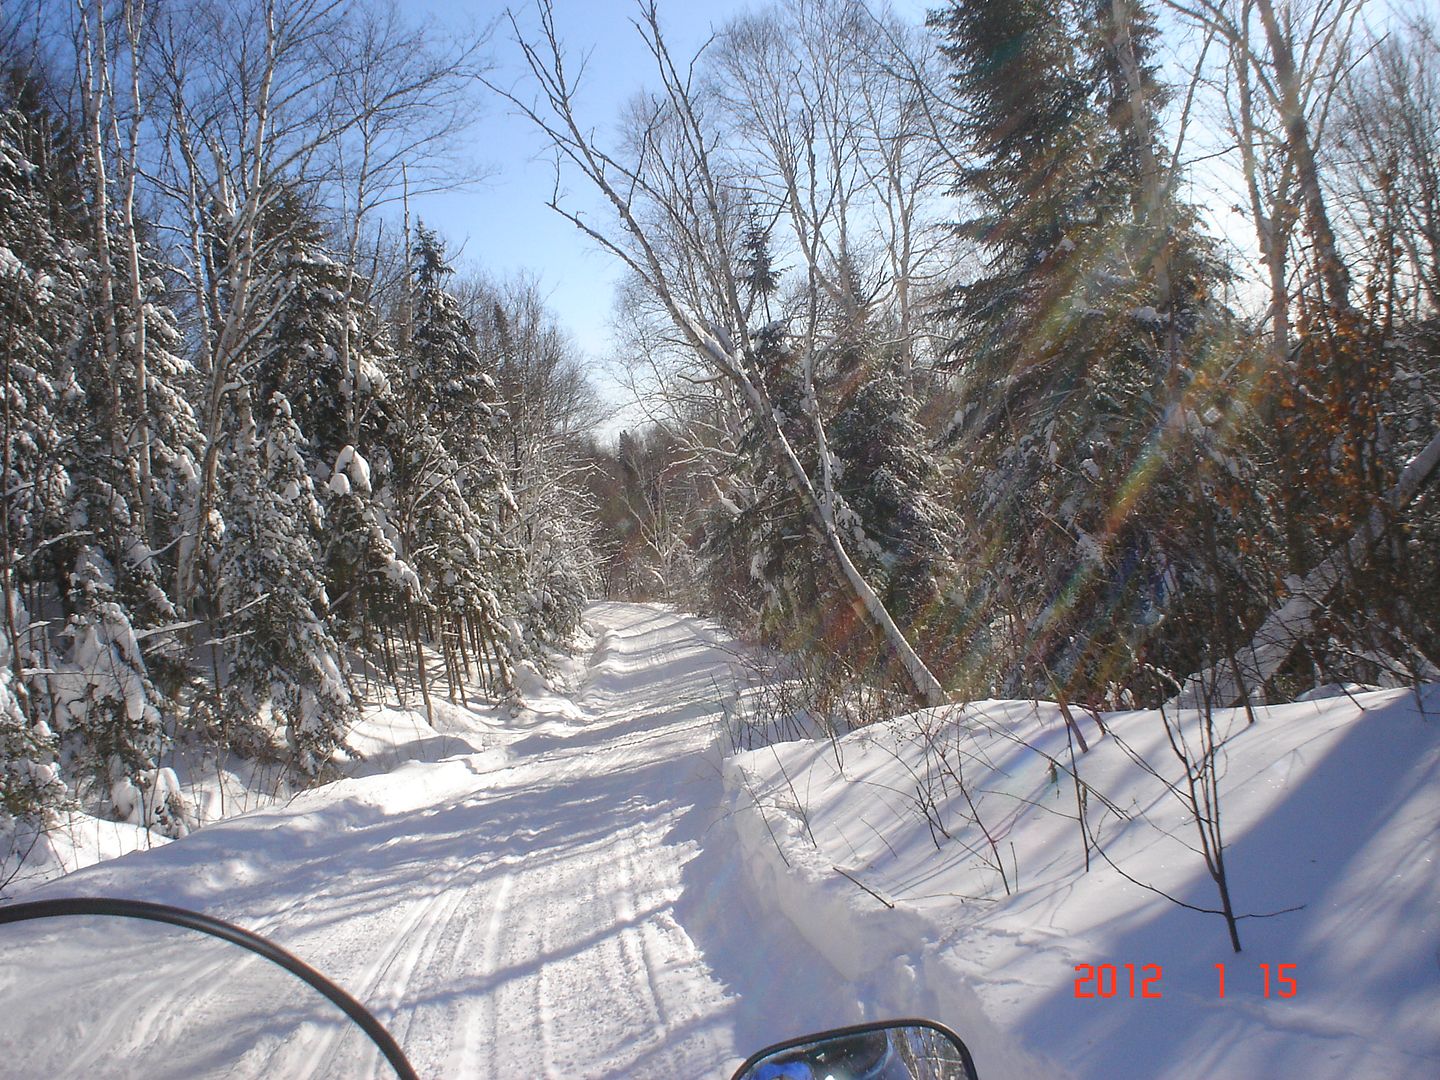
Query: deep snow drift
(1331, 816)
(589, 889)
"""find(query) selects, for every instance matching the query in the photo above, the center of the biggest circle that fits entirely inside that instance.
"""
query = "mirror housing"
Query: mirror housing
(890, 1050)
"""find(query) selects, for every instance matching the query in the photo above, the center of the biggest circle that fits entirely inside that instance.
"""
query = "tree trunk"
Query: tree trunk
(926, 687)
(1139, 115)
(95, 71)
(1307, 174)
(1287, 625)
(420, 666)
(619, 186)
(137, 298)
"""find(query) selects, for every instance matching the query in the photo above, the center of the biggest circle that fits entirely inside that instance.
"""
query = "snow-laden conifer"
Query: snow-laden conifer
(284, 661)
(451, 497)
(328, 355)
(1076, 346)
(892, 482)
(547, 405)
(76, 554)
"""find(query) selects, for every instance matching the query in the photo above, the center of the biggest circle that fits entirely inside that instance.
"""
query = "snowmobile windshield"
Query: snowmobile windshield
(91, 994)
(861, 1057)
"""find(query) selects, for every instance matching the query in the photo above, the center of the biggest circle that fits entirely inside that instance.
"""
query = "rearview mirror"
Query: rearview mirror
(894, 1050)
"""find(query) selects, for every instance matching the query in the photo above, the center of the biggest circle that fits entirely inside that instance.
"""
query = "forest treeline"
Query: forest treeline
(263, 448)
(1085, 350)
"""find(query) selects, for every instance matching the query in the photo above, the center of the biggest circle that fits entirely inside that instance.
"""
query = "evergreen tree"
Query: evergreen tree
(38, 308)
(453, 499)
(1030, 131)
(758, 272)
(284, 661)
(546, 398)
(1076, 342)
(786, 580)
(132, 516)
(40, 294)
(301, 355)
(29, 777)
(783, 579)
(328, 357)
(892, 484)
(75, 508)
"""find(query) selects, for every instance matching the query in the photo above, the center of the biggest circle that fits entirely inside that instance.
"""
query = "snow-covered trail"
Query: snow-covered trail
(535, 934)
(589, 889)
(520, 911)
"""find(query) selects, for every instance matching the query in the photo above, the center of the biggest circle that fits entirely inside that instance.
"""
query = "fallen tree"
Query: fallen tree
(1232, 680)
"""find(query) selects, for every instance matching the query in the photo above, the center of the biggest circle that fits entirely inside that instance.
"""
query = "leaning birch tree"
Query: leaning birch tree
(678, 220)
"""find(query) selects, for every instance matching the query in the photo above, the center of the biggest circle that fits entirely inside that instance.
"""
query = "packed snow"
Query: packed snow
(589, 886)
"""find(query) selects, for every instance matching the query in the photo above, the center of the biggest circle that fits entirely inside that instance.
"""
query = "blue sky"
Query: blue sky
(502, 224)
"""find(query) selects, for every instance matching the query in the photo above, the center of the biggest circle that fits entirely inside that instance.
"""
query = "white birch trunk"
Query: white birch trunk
(94, 70)
(927, 687)
(711, 343)
(133, 17)
(1229, 682)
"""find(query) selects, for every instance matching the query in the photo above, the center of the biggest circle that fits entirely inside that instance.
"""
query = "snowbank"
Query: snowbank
(214, 788)
(888, 952)
(885, 852)
(580, 884)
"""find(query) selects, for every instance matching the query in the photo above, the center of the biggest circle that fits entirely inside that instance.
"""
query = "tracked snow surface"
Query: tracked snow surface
(596, 886)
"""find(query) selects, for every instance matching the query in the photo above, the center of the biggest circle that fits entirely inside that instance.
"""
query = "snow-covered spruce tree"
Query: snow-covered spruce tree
(892, 484)
(786, 580)
(785, 583)
(453, 502)
(131, 467)
(1030, 129)
(133, 514)
(754, 577)
(39, 312)
(370, 584)
(448, 377)
(1077, 342)
(549, 406)
(343, 405)
(1016, 62)
(748, 579)
(440, 540)
(886, 482)
(30, 783)
(300, 357)
(284, 661)
(35, 286)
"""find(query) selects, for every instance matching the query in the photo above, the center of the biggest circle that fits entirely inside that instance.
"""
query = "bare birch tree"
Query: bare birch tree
(290, 96)
(1383, 168)
(677, 207)
(1284, 66)
(837, 149)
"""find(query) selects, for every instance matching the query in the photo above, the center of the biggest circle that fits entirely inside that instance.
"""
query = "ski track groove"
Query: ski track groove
(404, 953)
(156, 1018)
(527, 911)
